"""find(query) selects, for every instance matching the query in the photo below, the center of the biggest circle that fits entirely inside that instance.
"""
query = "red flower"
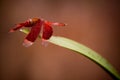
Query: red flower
(36, 25)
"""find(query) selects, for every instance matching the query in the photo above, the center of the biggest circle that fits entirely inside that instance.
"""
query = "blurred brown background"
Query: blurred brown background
(94, 23)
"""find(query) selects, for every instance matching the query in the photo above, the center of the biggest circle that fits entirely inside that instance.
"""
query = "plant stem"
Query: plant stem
(85, 51)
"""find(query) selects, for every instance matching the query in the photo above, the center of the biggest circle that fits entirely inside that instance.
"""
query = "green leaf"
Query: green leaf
(85, 51)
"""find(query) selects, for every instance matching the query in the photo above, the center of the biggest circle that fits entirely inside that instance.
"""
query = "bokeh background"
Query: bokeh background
(94, 23)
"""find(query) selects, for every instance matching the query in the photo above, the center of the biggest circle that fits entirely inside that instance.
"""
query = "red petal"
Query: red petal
(47, 32)
(35, 30)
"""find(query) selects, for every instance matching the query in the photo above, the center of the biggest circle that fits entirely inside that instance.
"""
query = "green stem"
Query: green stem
(85, 51)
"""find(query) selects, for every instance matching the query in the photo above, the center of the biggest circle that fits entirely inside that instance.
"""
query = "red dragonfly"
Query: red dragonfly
(36, 25)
